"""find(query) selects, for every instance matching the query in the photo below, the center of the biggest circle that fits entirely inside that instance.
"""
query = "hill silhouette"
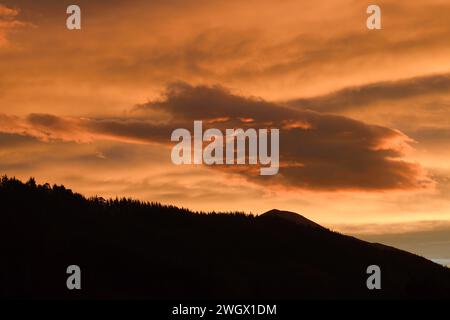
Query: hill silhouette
(291, 216)
(131, 249)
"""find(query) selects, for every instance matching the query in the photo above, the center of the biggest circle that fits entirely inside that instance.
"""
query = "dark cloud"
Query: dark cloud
(130, 129)
(13, 140)
(48, 121)
(317, 151)
(183, 101)
(366, 95)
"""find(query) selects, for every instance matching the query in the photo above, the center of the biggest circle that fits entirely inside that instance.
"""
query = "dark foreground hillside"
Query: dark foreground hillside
(128, 249)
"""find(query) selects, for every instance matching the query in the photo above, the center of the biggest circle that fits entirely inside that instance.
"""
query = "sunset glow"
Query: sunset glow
(364, 115)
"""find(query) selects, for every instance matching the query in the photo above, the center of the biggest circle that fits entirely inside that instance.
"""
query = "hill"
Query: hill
(131, 249)
(291, 216)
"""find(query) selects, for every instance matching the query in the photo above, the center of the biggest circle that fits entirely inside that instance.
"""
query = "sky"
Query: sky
(364, 115)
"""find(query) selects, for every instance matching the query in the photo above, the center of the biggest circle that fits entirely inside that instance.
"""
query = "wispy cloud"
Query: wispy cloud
(8, 22)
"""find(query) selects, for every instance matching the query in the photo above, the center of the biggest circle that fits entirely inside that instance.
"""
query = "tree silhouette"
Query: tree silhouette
(133, 249)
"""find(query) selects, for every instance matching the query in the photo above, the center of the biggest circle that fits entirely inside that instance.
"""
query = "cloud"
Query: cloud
(366, 95)
(310, 51)
(6, 12)
(417, 106)
(8, 22)
(47, 127)
(317, 151)
(426, 238)
(184, 101)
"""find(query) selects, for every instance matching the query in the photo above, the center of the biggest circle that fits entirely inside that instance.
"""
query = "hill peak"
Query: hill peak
(292, 217)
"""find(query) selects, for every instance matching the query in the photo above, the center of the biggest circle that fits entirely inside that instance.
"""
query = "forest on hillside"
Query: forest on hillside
(133, 249)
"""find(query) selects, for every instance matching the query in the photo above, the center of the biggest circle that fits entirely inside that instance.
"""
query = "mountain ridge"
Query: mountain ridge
(291, 216)
(130, 249)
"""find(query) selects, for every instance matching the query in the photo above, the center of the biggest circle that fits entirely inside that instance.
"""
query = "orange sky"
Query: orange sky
(93, 109)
